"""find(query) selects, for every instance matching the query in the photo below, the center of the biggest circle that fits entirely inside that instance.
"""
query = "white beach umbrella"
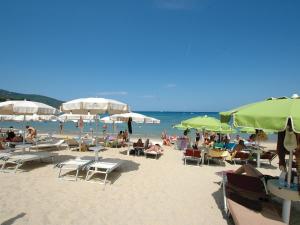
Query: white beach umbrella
(20, 118)
(94, 106)
(107, 119)
(23, 107)
(136, 117)
(76, 117)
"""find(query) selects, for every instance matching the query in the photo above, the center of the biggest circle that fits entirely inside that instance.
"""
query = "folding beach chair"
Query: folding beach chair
(104, 166)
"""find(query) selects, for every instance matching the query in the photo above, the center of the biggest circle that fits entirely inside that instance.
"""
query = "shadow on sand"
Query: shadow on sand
(12, 220)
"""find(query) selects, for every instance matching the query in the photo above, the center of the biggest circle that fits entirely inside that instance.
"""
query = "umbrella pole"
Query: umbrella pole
(79, 139)
(290, 169)
(24, 129)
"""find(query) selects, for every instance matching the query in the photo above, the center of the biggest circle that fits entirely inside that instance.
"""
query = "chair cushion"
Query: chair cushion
(245, 216)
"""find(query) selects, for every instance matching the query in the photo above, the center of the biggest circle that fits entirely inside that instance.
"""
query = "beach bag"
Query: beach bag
(290, 141)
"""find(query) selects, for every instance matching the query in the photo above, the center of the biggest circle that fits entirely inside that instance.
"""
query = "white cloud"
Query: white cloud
(108, 93)
(171, 85)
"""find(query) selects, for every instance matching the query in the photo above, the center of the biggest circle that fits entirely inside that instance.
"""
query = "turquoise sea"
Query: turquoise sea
(167, 120)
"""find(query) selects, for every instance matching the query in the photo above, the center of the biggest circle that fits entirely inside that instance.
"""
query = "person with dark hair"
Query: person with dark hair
(129, 125)
(61, 127)
(10, 134)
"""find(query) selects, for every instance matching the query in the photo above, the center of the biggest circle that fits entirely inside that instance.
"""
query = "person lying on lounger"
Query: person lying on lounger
(155, 148)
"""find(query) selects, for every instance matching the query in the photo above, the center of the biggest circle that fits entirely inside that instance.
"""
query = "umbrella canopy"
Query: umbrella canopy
(136, 117)
(94, 106)
(76, 117)
(23, 107)
(203, 122)
(181, 127)
(19, 118)
(251, 130)
(272, 114)
(223, 129)
(107, 119)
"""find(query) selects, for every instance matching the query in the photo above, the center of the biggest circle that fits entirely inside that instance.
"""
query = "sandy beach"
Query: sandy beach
(143, 191)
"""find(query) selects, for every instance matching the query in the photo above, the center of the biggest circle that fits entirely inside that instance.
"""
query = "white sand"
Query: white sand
(143, 192)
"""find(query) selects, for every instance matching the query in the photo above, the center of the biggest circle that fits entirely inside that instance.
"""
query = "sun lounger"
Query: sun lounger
(217, 154)
(156, 153)
(19, 159)
(192, 154)
(73, 165)
(242, 156)
(244, 200)
(44, 146)
(104, 166)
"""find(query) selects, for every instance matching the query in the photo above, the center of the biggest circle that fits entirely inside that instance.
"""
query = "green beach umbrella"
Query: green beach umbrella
(278, 114)
(272, 114)
(251, 130)
(224, 129)
(180, 127)
(203, 122)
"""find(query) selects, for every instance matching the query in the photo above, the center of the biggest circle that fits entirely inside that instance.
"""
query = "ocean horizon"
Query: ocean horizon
(167, 120)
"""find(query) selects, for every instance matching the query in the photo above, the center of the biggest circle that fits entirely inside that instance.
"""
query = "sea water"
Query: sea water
(167, 121)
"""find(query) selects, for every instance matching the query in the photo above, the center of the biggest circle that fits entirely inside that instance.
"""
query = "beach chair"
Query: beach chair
(138, 148)
(45, 146)
(241, 156)
(246, 200)
(72, 144)
(270, 156)
(154, 153)
(72, 165)
(216, 154)
(104, 166)
(19, 159)
(193, 155)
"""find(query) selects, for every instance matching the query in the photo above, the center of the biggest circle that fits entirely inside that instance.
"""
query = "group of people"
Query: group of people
(123, 136)
(11, 136)
(147, 146)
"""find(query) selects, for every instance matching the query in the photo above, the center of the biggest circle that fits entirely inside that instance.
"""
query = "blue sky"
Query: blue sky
(186, 55)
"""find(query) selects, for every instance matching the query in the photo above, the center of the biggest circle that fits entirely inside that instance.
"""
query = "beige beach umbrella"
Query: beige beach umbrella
(20, 118)
(24, 108)
(76, 117)
(136, 117)
(133, 117)
(94, 106)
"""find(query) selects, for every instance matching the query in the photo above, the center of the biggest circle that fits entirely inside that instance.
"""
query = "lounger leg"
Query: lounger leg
(88, 176)
(77, 171)
(3, 165)
(17, 166)
(59, 174)
(105, 179)
(224, 194)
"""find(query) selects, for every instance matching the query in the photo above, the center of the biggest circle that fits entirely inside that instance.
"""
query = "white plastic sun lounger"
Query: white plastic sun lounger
(47, 145)
(104, 166)
(19, 159)
(72, 165)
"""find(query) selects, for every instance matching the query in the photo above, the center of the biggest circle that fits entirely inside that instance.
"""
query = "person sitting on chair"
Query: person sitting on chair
(10, 134)
(31, 133)
(240, 146)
